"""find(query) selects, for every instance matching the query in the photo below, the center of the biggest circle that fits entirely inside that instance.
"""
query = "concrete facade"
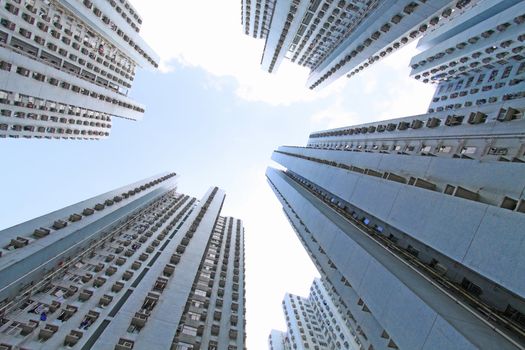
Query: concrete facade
(256, 16)
(416, 221)
(386, 279)
(278, 340)
(303, 328)
(66, 67)
(476, 58)
(139, 267)
(314, 322)
(337, 38)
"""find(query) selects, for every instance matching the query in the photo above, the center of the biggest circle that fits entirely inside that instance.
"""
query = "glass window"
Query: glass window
(506, 72)
(493, 75)
(189, 330)
(521, 69)
(200, 292)
(480, 79)
(194, 316)
(445, 149)
(468, 150)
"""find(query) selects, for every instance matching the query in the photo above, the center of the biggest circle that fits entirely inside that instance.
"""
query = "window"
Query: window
(468, 150)
(445, 149)
(506, 72)
(200, 292)
(189, 330)
(521, 69)
(194, 316)
(493, 75)
(480, 79)
(184, 346)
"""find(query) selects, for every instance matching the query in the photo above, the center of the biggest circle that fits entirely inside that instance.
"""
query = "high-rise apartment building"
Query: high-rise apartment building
(140, 267)
(278, 340)
(302, 324)
(66, 67)
(314, 323)
(416, 222)
(417, 227)
(338, 37)
(256, 16)
(477, 58)
(336, 327)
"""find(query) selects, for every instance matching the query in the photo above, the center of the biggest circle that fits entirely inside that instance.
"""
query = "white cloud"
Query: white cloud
(383, 91)
(208, 34)
(334, 116)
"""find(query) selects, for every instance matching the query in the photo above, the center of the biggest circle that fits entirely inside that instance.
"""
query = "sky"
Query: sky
(214, 117)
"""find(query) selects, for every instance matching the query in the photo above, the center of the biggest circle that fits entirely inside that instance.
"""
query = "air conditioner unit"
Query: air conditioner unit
(508, 114)
(433, 122)
(477, 118)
